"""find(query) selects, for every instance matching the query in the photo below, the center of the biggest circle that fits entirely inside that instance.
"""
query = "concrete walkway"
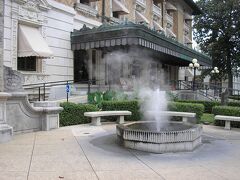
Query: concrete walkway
(89, 152)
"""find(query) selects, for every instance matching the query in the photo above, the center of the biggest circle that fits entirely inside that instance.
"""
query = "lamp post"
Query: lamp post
(213, 72)
(194, 64)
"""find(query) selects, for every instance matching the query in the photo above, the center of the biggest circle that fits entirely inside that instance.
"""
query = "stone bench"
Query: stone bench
(185, 115)
(96, 116)
(227, 120)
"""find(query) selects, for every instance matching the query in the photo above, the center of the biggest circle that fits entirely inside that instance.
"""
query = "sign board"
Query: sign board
(67, 88)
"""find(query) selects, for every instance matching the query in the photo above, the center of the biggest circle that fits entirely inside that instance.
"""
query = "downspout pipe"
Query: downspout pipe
(103, 11)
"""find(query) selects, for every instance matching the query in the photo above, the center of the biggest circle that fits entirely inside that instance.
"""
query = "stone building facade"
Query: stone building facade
(1, 43)
(52, 21)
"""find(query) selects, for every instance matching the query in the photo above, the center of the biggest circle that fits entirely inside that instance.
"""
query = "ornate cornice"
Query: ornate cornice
(40, 4)
(129, 33)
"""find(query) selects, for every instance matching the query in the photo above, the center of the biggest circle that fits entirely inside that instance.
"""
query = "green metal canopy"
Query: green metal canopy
(127, 34)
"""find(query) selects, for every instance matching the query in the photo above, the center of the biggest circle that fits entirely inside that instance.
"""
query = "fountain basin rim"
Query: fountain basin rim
(125, 126)
(160, 141)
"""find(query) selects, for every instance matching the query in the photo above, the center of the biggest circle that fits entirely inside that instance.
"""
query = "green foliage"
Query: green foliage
(109, 95)
(187, 107)
(237, 104)
(217, 33)
(236, 97)
(73, 114)
(171, 96)
(99, 96)
(206, 117)
(226, 111)
(132, 106)
(208, 105)
(95, 98)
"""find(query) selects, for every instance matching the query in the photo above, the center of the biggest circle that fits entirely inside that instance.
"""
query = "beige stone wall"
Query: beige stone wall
(178, 16)
(67, 2)
(108, 10)
(149, 11)
(178, 22)
(1, 43)
(99, 6)
(130, 4)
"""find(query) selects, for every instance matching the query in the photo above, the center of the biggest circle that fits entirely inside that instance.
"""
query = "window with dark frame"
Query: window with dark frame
(27, 63)
(87, 2)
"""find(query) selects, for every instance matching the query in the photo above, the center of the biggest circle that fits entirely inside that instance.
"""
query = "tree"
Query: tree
(217, 31)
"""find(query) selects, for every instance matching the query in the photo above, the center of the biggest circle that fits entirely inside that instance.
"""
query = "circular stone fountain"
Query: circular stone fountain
(172, 136)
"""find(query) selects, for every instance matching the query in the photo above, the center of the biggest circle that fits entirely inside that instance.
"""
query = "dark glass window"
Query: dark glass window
(87, 2)
(27, 63)
(116, 14)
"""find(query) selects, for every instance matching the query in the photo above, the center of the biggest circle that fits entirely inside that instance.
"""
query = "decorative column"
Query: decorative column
(6, 131)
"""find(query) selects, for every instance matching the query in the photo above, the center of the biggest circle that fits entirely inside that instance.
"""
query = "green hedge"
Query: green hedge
(227, 111)
(72, 113)
(236, 97)
(236, 104)
(187, 107)
(208, 105)
(132, 106)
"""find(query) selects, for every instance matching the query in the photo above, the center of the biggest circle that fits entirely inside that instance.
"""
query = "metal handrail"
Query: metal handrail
(44, 85)
(204, 88)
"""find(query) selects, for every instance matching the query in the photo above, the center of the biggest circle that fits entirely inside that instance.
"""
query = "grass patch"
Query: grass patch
(207, 118)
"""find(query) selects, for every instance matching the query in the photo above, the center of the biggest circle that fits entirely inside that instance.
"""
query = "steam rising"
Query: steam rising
(144, 75)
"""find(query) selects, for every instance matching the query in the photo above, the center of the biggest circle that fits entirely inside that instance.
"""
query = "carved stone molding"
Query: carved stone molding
(42, 4)
(86, 9)
(13, 80)
(31, 78)
(31, 12)
(140, 5)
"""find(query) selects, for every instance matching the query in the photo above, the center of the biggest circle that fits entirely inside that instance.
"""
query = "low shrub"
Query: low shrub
(132, 106)
(187, 107)
(208, 105)
(226, 111)
(73, 114)
(236, 104)
(236, 97)
(99, 96)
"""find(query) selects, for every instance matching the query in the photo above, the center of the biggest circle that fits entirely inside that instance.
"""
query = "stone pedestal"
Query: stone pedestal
(6, 131)
(50, 117)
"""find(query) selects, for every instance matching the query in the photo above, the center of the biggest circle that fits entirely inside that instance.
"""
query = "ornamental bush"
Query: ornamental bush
(234, 103)
(187, 107)
(99, 96)
(132, 106)
(226, 111)
(208, 105)
(73, 114)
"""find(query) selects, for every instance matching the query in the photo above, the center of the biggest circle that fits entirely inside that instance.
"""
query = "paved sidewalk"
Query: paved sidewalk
(89, 152)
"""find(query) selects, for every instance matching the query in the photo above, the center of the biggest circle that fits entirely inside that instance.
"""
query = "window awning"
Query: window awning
(187, 17)
(118, 6)
(170, 33)
(170, 7)
(187, 40)
(114, 36)
(31, 43)
(157, 26)
(140, 17)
